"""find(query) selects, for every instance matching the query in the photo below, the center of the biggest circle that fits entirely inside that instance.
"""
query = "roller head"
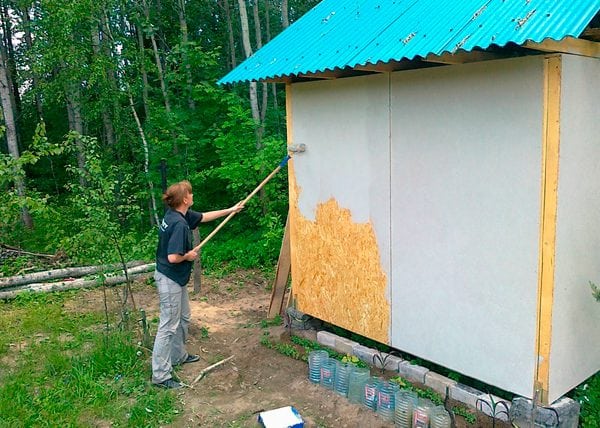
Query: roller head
(297, 148)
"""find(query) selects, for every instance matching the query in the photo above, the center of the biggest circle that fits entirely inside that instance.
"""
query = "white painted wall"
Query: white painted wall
(575, 346)
(466, 151)
(345, 126)
(457, 151)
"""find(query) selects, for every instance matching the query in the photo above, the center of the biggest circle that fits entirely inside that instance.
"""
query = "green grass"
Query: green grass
(62, 369)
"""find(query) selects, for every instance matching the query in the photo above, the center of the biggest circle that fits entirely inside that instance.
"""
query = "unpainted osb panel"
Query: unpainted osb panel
(336, 269)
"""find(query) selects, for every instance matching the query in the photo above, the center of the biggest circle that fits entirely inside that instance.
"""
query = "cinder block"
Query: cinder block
(344, 346)
(438, 383)
(563, 413)
(465, 394)
(568, 410)
(363, 353)
(412, 372)
(326, 339)
(391, 362)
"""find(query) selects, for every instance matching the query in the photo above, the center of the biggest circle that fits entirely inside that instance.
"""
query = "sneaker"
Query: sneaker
(191, 358)
(169, 384)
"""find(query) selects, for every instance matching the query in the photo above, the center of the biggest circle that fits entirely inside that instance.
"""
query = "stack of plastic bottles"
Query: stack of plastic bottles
(401, 406)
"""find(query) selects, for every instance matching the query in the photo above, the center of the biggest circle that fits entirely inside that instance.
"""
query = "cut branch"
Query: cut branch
(209, 369)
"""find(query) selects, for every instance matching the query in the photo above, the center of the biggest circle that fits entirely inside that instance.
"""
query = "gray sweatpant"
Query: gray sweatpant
(175, 315)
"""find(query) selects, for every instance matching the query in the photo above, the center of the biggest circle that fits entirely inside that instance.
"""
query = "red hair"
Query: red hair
(176, 192)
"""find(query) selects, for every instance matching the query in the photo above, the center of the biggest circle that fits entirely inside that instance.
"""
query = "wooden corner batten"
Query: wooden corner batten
(548, 210)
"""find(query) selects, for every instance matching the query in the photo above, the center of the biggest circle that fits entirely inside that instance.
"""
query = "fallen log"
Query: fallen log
(30, 278)
(133, 271)
(70, 285)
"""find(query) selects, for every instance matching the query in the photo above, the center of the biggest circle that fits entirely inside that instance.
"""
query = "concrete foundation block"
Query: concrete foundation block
(465, 394)
(363, 353)
(563, 413)
(438, 382)
(326, 339)
(493, 406)
(391, 362)
(344, 346)
(412, 372)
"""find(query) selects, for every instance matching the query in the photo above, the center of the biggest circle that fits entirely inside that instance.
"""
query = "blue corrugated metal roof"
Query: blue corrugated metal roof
(339, 34)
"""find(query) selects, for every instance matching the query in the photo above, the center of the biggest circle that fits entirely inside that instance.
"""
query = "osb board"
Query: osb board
(336, 268)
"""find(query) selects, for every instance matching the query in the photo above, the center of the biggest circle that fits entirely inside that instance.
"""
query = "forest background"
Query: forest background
(106, 102)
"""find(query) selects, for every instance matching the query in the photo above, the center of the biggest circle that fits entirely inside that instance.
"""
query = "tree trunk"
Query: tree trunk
(231, 40)
(109, 51)
(109, 131)
(11, 68)
(285, 19)
(70, 285)
(184, 50)
(11, 134)
(264, 87)
(273, 85)
(146, 160)
(159, 67)
(34, 78)
(143, 72)
(252, 89)
(49, 275)
(73, 97)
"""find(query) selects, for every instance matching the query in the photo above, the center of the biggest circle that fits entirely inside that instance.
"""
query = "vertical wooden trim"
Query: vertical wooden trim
(290, 221)
(547, 249)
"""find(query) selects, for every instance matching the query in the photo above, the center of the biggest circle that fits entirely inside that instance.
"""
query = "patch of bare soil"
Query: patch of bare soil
(226, 321)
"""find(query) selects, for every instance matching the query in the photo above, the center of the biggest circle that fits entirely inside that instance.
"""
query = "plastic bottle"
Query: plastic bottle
(421, 413)
(356, 383)
(315, 359)
(342, 376)
(328, 373)
(405, 403)
(370, 393)
(440, 418)
(386, 399)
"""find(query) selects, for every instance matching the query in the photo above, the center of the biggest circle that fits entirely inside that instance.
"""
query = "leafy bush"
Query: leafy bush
(588, 395)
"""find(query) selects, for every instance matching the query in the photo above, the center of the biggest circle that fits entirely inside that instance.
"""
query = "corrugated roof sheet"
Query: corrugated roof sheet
(339, 34)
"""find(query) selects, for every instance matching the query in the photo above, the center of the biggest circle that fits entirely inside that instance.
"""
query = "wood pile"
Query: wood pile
(74, 277)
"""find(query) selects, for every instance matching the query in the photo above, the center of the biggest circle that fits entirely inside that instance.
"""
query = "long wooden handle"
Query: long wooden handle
(254, 192)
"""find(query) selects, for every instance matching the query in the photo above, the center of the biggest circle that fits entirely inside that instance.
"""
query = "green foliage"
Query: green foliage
(469, 417)
(271, 322)
(423, 393)
(595, 291)
(104, 201)
(588, 395)
(204, 332)
(68, 372)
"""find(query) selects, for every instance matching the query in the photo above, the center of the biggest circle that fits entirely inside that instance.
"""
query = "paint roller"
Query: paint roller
(293, 148)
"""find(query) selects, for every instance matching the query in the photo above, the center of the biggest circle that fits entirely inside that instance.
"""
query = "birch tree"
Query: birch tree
(11, 133)
(252, 86)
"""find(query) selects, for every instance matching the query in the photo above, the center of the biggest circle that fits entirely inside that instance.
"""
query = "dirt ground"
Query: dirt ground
(226, 321)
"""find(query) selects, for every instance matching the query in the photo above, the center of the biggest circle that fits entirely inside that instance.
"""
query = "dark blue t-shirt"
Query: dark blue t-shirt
(175, 237)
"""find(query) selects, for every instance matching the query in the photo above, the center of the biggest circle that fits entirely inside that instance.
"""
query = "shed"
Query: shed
(448, 202)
